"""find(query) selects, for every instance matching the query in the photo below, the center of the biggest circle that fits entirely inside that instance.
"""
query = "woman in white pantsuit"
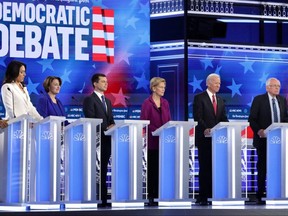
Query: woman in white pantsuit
(15, 96)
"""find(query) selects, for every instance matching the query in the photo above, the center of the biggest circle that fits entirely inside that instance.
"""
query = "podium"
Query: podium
(226, 163)
(46, 161)
(14, 165)
(127, 162)
(174, 162)
(81, 138)
(277, 164)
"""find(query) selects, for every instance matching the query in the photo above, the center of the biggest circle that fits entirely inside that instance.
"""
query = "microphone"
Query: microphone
(12, 101)
(128, 106)
(76, 100)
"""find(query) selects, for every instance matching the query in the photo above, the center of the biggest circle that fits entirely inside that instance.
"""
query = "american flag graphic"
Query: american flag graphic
(103, 35)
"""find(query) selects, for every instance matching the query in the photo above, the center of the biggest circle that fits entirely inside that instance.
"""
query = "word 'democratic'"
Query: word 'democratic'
(31, 30)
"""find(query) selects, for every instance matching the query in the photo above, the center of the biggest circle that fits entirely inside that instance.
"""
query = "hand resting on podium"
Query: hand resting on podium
(207, 132)
(3, 123)
(261, 133)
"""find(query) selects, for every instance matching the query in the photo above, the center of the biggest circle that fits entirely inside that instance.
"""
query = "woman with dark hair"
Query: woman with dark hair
(49, 104)
(14, 93)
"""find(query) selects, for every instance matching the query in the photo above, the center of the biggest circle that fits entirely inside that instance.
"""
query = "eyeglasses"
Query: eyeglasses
(275, 86)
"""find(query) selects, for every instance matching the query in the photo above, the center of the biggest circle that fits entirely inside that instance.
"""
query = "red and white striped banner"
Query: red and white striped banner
(103, 35)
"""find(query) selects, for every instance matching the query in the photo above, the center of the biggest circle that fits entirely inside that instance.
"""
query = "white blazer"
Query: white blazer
(17, 102)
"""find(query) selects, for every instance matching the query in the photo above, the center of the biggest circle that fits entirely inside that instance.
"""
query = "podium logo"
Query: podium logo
(124, 138)
(221, 140)
(275, 140)
(79, 137)
(46, 135)
(98, 138)
(170, 139)
(18, 134)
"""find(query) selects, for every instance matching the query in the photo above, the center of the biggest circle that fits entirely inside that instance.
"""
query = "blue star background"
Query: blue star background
(243, 75)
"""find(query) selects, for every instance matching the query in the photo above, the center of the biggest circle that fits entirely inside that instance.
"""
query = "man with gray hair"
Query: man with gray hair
(208, 111)
(266, 109)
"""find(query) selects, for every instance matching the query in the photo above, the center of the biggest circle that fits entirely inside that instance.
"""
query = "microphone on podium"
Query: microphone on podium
(78, 103)
(12, 101)
(128, 106)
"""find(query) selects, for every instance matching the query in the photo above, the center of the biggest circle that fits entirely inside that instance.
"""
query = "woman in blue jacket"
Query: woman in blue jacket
(49, 104)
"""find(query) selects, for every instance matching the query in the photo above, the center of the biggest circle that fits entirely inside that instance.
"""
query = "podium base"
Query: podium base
(45, 206)
(124, 204)
(281, 201)
(179, 202)
(80, 205)
(14, 207)
(228, 202)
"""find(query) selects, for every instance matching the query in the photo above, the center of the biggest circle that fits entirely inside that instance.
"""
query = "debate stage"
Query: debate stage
(249, 210)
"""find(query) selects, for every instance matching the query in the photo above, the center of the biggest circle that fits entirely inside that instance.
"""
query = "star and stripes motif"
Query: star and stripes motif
(103, 35)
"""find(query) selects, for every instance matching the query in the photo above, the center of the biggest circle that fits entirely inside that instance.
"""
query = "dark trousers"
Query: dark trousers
(205, 170)
(153, 173)
(261, 169)
(105, 156)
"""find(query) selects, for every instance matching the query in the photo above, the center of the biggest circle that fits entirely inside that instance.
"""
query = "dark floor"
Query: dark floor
(248, 209)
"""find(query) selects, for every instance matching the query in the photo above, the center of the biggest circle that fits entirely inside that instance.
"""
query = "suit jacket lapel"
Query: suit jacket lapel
(22, 95)
(100, 103)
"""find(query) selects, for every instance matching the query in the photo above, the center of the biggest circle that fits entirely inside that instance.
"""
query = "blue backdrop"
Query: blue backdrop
(55, 37)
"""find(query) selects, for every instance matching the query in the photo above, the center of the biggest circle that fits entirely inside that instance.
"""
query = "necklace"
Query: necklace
(21, 87)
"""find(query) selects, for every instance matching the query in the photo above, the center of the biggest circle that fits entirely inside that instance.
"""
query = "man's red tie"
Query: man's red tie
(214, 104)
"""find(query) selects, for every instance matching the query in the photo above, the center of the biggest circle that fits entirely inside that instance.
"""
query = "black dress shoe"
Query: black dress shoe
(101, 205)
(104, 205)
(203, 203)
(260, 202)
(151, 202)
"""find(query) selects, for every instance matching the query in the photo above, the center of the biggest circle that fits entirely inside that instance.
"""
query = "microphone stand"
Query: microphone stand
(12, 101)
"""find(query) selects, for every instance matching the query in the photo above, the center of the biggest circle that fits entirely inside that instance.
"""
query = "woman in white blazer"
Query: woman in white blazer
(15, 96)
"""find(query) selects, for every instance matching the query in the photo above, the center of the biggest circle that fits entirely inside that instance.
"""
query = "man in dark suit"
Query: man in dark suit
(208, 110)
(261, 116)
(98, 106)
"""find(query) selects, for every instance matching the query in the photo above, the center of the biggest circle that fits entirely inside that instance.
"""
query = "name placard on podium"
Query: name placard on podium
(226, 163)
(277, 163)
(81, 138)
(14, 165)
(174, 162)
(127, 161)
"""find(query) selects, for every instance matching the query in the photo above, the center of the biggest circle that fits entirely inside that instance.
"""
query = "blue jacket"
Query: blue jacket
(46, 107)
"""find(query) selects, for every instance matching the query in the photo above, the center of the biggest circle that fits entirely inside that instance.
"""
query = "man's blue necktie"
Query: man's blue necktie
(275, 114)
(104, 103)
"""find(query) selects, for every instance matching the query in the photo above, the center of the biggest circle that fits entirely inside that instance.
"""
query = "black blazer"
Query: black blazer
(260, 115)
(203, 113)
(93, 108)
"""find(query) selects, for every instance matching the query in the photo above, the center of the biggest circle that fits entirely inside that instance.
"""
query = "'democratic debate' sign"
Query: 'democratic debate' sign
(37, 30)
(74, 39)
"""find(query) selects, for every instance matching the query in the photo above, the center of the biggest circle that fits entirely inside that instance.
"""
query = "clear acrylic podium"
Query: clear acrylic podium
(277, 163)
(226, 163)
(174, 162)
(46, 161)
(127, 162)
(14, 166)
(80, 140)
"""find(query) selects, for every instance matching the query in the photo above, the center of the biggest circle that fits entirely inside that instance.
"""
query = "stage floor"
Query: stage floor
(249, 210)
